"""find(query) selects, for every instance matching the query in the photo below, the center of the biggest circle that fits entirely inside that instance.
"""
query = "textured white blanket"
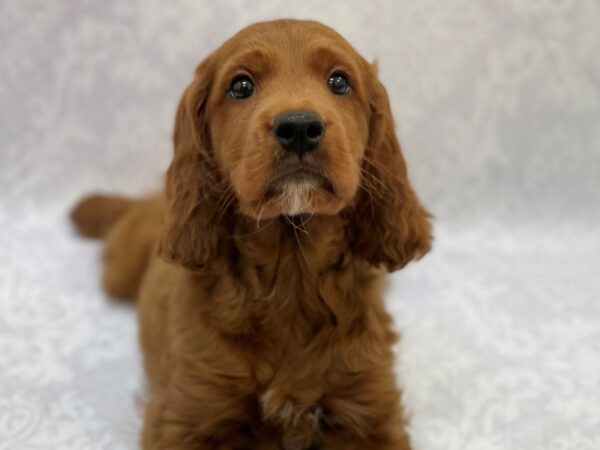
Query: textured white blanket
(497, 105)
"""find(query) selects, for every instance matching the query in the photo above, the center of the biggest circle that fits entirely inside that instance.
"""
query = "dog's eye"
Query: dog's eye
(338, 83)
(241, 87)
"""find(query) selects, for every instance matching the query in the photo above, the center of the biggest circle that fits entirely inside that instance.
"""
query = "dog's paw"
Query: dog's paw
(299, 422)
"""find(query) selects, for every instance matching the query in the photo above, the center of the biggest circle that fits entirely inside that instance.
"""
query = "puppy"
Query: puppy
(258, 274)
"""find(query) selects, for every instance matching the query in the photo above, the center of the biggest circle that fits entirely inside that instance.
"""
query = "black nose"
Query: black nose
(299, 131)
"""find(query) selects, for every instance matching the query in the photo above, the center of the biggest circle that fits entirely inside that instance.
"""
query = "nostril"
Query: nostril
(285, 131)
(298, 131)
(314, 131)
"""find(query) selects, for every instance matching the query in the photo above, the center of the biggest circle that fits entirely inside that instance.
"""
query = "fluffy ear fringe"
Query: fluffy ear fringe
(388, 224)
(194, 188)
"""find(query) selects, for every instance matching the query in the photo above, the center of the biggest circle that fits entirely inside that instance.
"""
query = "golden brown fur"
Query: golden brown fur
(261, 330)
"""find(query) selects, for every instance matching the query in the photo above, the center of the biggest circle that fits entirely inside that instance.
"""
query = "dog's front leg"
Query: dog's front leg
(203, 420)
(362, 411)
(295, 413)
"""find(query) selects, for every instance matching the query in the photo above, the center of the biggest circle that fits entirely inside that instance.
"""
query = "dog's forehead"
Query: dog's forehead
(285, 38)
(286, 47)
(286, 29)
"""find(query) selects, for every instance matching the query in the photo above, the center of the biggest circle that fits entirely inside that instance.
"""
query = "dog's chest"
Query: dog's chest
(286, 335)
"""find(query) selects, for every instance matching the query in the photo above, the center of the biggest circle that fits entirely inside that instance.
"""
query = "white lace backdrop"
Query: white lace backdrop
(497, 105)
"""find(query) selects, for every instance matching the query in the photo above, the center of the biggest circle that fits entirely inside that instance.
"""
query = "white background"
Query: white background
(497, 105)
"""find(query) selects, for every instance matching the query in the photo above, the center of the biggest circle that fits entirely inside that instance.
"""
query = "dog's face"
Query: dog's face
(289, 120)
(286, 118)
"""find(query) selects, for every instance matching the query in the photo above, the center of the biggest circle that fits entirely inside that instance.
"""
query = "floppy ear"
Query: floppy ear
(389, 225)
(195, 187)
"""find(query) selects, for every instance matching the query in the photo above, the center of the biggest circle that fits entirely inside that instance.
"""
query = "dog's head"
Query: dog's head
(286, 118)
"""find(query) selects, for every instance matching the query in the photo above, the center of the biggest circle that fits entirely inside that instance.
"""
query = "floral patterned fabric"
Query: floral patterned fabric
(497, 105)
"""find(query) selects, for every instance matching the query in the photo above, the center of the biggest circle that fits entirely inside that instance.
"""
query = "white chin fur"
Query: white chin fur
(295, 198)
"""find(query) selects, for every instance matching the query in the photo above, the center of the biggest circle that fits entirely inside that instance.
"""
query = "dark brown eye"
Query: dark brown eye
(338, 83)
(241, 87)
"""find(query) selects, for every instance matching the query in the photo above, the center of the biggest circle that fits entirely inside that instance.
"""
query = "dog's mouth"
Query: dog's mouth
(295, 187)
(309, 176)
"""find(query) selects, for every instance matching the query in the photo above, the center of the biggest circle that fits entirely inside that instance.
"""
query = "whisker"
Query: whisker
(260, 213)
(295, 228)
(386, 171)
(223, 205)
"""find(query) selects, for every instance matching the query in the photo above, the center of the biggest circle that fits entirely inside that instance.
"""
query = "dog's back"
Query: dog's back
(130, 228)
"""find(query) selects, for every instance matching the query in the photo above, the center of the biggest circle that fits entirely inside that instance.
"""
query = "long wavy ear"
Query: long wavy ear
(194, 184)
(388, 225)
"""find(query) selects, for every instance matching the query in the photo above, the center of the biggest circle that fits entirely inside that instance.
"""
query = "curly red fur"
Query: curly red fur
(261, 330)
